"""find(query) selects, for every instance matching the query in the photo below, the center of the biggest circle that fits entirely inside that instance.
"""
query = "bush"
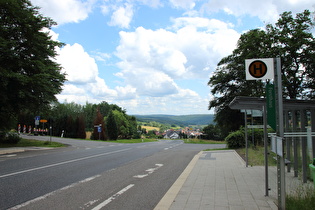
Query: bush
(9, 138)
(235, 139)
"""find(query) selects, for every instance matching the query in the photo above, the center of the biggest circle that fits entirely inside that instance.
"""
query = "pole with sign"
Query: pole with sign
(261, 69)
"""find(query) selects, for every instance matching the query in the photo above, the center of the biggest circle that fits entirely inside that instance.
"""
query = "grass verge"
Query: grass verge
(302, 198)
(256, 156)
(130, 141)
(202, 141)
(33, 143)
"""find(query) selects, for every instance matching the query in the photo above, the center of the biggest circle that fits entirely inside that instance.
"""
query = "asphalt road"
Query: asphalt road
(93, 175)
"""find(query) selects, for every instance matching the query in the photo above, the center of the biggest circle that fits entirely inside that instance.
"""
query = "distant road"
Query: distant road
(93, 175)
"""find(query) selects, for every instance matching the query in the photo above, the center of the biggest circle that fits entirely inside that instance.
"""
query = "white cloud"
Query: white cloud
(192, 51)
(126, 93)
(122, 16)
(77, 64)
(83, 83)
(184, 4)
(183, 102)
(267, 11)
(65, 11)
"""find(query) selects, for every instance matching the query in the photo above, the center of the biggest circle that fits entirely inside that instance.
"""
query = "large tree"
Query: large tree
(291, 40)
(29, 76)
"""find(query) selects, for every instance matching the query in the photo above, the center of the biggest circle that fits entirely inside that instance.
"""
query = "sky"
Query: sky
(151, 56)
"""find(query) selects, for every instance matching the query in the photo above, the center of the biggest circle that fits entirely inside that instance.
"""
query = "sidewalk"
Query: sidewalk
(10, 150)
(220, 180)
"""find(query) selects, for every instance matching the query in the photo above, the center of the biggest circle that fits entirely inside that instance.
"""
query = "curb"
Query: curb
(169, 197)
(11, 150)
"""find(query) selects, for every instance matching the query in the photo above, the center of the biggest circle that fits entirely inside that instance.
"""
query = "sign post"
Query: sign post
(280, 133)
(261, 69)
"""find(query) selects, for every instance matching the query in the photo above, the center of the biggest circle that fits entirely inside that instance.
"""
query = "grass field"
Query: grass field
(33, 143)
(150, 128)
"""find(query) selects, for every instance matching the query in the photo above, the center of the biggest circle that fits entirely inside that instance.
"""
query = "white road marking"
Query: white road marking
(62, 163)
(150, 171)
(141, 176)
(12, 155)
(53, 193)
(101, 205)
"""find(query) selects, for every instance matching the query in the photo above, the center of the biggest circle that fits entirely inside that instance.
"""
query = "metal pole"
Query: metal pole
(266, 150)
(246, 139)
(280, 132)
(304, 147)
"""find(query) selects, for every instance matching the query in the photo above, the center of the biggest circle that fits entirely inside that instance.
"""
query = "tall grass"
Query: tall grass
(302, 198)
(256, 156)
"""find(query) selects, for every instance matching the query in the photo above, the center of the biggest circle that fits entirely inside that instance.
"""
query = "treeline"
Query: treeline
(73, 120)
(179, 120)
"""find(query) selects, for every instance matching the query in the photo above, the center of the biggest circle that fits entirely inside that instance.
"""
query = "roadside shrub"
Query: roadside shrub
(9, 138)
(235, 139)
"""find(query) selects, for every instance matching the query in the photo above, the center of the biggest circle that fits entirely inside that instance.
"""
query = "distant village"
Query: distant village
(180, 133)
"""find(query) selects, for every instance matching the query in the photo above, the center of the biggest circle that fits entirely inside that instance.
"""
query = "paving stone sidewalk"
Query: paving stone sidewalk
(219, 180)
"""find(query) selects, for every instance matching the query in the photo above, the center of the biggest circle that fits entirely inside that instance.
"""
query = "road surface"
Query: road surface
(94, 175)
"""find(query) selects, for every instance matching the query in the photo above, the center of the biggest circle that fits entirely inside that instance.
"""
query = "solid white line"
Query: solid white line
(101, 205)
(62, 163)
(53, 193)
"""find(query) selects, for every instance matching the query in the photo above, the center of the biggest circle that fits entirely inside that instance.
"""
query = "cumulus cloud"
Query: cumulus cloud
(183, 102)
(122, 16)
(267, 11)
(191, 51)
(65, 11)
(183, 4)
(77, 64)
(83, 83)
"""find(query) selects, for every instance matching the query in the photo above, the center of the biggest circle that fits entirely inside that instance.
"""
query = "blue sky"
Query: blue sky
(151, 56)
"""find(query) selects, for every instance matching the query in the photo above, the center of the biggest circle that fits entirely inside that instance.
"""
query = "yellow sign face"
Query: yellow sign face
(257, 69)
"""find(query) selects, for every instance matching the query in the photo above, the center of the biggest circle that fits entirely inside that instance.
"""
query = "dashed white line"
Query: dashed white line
(53, 193)
(62, 163)
(104, 203)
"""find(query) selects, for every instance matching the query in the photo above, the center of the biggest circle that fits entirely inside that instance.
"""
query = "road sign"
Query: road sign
(271, 106)
(43, 121)
(259, 69)
(37, 118)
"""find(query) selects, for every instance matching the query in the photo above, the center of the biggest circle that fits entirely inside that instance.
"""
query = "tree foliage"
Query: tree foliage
(29, 77)
(112, 127)
(291, 40)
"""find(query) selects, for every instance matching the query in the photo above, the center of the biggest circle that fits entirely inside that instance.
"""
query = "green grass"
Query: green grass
(32, 143)
(256, 156)
(302, 198)
(216, 149)
(129, 141)
(201, 141)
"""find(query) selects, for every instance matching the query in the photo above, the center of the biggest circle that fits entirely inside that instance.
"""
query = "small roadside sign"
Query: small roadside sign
(259, 69)
(37, 118)
(43, 121)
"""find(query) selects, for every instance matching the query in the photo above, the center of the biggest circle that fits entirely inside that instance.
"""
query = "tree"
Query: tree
(29, 77)
(99, 120)
(291, 40)
(112, 127)
(81, 134)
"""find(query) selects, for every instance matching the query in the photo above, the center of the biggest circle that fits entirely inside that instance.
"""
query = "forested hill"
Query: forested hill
(182, 120)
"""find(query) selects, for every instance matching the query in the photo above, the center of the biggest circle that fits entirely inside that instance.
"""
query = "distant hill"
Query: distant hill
(181, 120)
